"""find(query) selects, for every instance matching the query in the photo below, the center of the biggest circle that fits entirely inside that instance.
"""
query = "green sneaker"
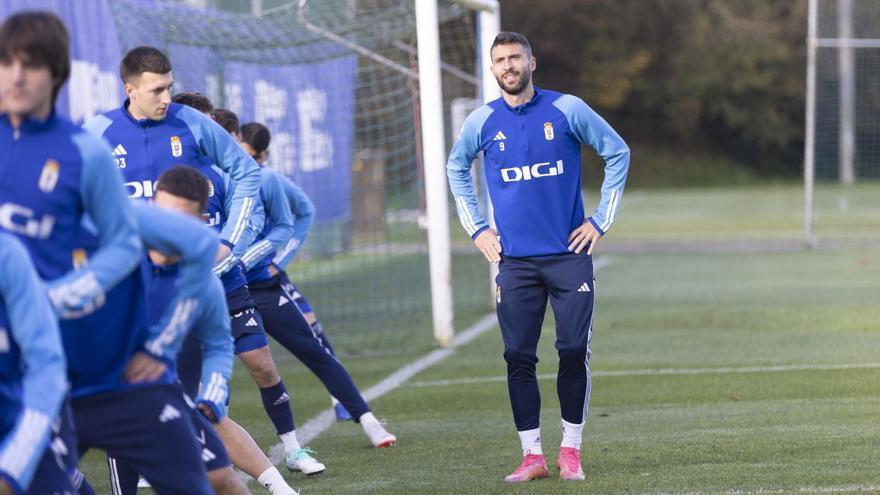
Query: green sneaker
(302, 460)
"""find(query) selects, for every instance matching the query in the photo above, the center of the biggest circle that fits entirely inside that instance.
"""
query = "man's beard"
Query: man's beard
(525, 78)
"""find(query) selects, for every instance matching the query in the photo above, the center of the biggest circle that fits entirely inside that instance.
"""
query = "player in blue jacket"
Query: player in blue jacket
(176, 261)
(56, 179)
(33, 380)
(531, 140)
(303, 212)
(284, 317)
(251, 343)
(150, 134)
(188, 191)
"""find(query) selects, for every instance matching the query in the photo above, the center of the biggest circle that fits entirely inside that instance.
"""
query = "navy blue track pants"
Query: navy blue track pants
(524, 287)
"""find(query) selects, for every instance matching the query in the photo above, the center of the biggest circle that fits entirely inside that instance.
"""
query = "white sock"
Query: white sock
(531, 441)
(333, 401)
(572, 434)
(367, 420)
(275, 483)
(289, 441)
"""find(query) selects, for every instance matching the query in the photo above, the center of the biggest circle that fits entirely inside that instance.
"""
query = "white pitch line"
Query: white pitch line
(774, 491)
(659, 371)
(327, 418)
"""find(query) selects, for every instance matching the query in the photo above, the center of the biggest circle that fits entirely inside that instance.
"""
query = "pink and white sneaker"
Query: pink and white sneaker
(569, 464)
(533, 467)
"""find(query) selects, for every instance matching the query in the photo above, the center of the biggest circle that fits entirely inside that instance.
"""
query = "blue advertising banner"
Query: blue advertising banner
(308, 107)
(310, 116)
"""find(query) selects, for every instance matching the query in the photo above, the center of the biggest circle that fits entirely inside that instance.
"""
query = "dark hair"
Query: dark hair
(510, 37)
(226, 118)
(143, 59)
(37, 38)
(185, 182)
(257, 135)
(196, 100)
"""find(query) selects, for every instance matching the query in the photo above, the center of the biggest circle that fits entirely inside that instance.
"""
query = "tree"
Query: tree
(695, 74)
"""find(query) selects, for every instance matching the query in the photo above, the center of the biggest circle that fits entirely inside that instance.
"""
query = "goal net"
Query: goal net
(336, 83)
(844, 42)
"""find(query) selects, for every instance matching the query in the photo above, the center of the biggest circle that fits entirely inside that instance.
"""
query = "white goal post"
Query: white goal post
(434, 146)
(841, 98)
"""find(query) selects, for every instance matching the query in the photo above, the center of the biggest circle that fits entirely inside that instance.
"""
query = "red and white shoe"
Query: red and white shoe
(379, 436)
(533, 467)
(569, 464)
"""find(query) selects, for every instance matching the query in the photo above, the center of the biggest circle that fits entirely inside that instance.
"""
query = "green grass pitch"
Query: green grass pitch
(770, 359)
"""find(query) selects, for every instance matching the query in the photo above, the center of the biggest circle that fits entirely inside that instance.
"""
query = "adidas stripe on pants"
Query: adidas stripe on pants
(524, 287)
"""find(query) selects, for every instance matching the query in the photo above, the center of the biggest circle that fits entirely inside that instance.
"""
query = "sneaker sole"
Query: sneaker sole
(387, 443)
(569, 476)
(297, 470)
(537, 476)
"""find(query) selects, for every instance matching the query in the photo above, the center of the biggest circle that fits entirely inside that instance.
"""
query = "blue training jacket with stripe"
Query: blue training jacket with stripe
(532, 162)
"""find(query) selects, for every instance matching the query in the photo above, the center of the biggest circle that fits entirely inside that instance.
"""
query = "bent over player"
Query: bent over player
(284, 311)
(531, 139)
(58, 179)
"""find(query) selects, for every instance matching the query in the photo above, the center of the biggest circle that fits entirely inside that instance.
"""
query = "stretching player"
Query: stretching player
(259, 360)
(32, 381)
(187, 191)
(303, 212)
(285, 314)
(531, 140)
(56, 178)
(154, 134)
(174, 259)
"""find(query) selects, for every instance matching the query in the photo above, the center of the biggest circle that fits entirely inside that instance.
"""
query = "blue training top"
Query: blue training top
(33, 378)
(180, 290)
(275, 225)
(145, 148)
(220, 193)
(54, 178)
(303, 212)
(532, 161)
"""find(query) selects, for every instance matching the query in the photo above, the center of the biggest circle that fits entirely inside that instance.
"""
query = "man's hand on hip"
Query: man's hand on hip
(583, 235)
(487, 243)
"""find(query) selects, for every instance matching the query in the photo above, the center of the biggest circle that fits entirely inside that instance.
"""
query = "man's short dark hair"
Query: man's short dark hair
(185, 182)
(510, 37)
(226, 118)
(38, 38)
(196, 100)
(257, 135)
(143, 59)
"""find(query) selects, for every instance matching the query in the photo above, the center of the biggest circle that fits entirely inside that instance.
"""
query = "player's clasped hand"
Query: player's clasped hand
(487, 243)
(583, 235)
(207, 412)
(143, 368)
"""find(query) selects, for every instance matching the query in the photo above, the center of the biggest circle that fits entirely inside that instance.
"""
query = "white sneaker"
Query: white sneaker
(380, 436)
(302, 460)
(143, 483)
